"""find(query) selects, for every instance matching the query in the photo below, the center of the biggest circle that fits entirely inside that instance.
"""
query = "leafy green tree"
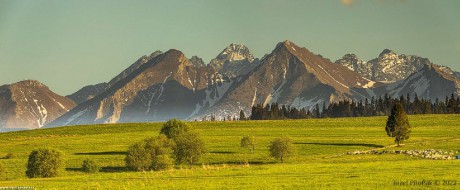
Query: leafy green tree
(248, 142)
(162, 162)
(44, 162)
(160, 145)
(189, 148)
(398, 124)
(138, 158)
(89, 166)
(173, 128)
(148, 153)
(282, 148)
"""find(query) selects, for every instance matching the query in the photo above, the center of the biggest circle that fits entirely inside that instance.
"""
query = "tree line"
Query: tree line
(348, 108)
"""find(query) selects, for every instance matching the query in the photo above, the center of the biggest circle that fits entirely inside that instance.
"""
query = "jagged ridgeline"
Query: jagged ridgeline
(165, 85)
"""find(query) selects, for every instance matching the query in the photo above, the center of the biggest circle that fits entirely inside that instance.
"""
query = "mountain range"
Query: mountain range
(165, 85)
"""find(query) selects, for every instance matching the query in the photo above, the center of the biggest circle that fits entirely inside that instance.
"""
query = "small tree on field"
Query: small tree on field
(189, 148)
(282, 148)
(89, 166)
(44, 162)
(173, 128)
(138, 158)
(398, 124)
(151, 153)
(248, 142)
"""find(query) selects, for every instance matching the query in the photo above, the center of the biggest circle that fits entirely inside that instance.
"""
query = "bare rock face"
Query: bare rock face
(352, 62)
(387, 67)
(390, 66)
(235, 60)
(293, 76)
(88, 92)
(197, 62)
(431, 82)
(167, 86)
(30, 104)
(136, 65)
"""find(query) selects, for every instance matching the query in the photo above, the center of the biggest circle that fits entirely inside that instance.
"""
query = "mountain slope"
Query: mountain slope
(387, 67)
(165, 87)
(88, 92)
(235, 60)
(352, 62)
(30, 104)
(293, 76)
(430, 82)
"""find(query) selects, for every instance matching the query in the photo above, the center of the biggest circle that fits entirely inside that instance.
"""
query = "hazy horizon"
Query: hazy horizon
(69, 44)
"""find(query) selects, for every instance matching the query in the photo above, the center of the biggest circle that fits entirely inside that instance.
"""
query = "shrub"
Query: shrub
(189, 148)
(282, 148)
(149, 153)
(44, 162)
(174, 128)
(160, 145)
(89, 166)
(138, 158)
(162, 162)
(248, 142)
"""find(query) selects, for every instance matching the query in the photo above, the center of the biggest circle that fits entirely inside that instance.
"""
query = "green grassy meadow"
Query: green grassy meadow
(316, 164)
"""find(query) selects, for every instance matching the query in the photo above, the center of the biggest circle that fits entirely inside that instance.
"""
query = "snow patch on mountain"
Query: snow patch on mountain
(254, 98)
(274, 95)
(214, 94)
(370, 84)
(300, 102)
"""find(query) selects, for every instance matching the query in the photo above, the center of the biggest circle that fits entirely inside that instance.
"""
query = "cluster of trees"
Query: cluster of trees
(177, 143)
(374, 107)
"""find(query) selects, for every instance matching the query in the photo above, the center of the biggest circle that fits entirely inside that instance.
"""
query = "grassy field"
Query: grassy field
(316, 164)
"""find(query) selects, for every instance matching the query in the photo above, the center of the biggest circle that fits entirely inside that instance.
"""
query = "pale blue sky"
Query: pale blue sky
(68, 44)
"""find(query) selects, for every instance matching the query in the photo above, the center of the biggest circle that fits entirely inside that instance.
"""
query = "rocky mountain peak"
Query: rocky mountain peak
(236, 52)
(352, 62)
(31, 101)
(197, 61)
(387, 67)
(235, 60)
(285, 44)
(29, 83)
(386, 51)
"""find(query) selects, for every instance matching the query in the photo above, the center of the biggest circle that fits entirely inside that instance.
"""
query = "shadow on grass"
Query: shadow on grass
(238, 163)
(74, 169)
(222, 152)
(101, 153)
(114, 169)
(103, 169)
(343, 144)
